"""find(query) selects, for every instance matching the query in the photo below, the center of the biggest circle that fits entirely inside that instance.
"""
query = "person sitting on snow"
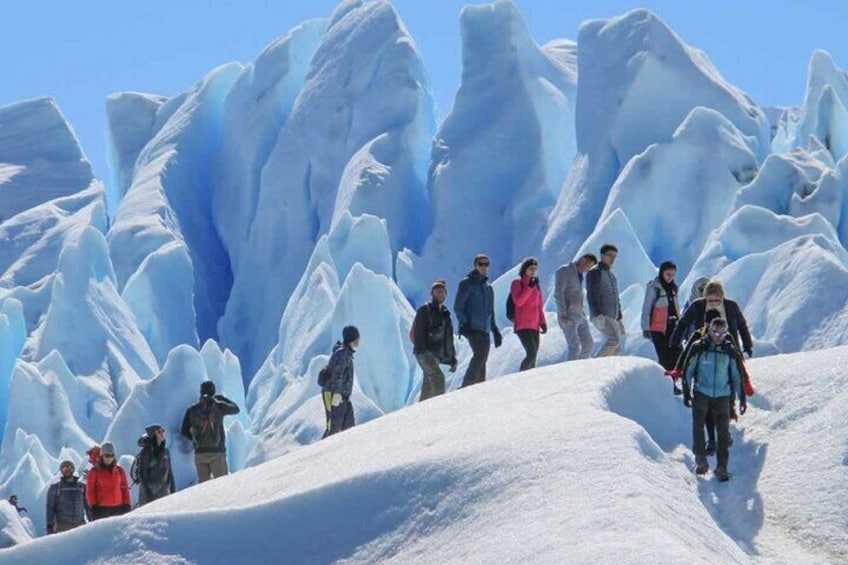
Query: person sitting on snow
(203, 424)
(155, 475)
(711, 380)
(65, 501)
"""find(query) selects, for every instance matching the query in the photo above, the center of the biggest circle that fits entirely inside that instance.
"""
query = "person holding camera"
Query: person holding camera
(203, 424)
(529, 317)
(432, 335)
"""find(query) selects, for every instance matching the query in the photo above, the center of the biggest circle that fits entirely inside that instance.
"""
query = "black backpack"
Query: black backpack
(324, 375)
(206, 424)
(510, 308)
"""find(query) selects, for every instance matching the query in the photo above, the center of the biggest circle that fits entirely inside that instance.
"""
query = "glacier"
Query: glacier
(273, 202)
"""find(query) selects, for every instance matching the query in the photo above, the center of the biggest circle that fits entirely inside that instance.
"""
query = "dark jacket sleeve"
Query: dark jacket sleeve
(186, 427)
(459, 303)
(52, 495)
(419, 328)
(144, 468)
(742, 326)
(227, 406)
(450, 350)
(685, 321)
(126, 496)
(491, 292)
(593, 292)
(172, 487)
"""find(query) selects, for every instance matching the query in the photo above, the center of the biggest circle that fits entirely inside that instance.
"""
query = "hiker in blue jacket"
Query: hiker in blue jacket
(711, 379)
(337, 390)
(475, 310)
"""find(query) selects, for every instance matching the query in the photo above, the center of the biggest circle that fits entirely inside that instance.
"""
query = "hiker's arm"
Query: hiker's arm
(51, 507)
(173, 486)
(520, 295)
(419, 330)
(186, 428)
(125, 490)
(744, 333)
(226, 405)
(593, 292)
(648, 306)
(91, 487)
(684, 322)
(459, 304)
(560, 286)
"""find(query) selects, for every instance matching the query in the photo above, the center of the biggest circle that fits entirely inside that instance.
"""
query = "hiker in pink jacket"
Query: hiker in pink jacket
(529, 318)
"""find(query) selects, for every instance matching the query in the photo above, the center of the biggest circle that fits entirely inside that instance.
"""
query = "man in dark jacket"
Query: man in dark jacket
(475, 310)
(432, 333)
(155, 475)
(605, 303)
(711, 382)
(65, 501)
(203, 424)
(337, 390)
(728, 310)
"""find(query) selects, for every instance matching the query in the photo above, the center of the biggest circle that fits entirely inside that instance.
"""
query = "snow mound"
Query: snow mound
(400, 488)
(638, 82)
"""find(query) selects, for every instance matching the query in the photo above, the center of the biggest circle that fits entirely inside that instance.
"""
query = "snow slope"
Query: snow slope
(581, 462)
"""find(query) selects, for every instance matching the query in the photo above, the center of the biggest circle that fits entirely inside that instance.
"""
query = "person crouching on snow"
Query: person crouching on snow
(711, 379)
(338, 388)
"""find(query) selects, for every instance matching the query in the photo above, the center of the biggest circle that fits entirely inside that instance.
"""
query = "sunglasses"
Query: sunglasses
(714, 300)
(485, 264)
(105, 456)
(720, 334)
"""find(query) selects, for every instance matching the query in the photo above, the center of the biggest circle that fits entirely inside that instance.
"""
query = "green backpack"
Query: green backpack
(206, 424)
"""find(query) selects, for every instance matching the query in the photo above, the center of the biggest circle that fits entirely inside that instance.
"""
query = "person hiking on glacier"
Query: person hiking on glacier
(660, 311)
(714, 299)
(529, 311)
(155, 475)
(338, 387)
(432, 336)
(106, 490)
(568, 292)
(711, 382)
(203, 425)
(604, 302)
(65, 501)
(474, 307)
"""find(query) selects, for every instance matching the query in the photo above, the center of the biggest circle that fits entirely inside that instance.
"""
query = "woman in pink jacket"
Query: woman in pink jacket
(529, 319)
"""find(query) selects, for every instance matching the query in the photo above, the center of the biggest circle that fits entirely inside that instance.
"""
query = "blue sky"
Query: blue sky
(79, 52)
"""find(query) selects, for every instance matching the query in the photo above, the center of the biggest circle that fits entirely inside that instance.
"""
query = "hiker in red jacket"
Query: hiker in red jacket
(106, 490)
(529, 318)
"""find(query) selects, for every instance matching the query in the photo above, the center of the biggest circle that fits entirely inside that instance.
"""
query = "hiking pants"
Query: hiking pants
(210, 465)
(65, 526)
(720, 410)
(434, 379)
(578, 336)
(666, 355)
(613, 331)
(476, 372)
(339, 418)
(530, 342)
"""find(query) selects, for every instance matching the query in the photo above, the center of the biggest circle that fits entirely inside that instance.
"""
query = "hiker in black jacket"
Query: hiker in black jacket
(203, 424)
(65, 501)
(728, 310)
(432, 333)
(336, 391)
(155, 474)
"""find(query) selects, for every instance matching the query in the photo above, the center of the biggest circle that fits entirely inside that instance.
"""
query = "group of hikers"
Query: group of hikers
(698, 345)
(103, 490)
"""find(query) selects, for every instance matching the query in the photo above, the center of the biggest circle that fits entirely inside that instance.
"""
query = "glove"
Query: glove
(49, 529)
(687, 399)
(646, 334)
(453, 367)
(543, 329)
(749, 353)
(337, 400)
(498, 338)
(534, 281)
(743, 406)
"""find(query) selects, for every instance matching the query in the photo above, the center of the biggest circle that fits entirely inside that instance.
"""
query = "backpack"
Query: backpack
(324, 375)
(206, 424)
(510, 308)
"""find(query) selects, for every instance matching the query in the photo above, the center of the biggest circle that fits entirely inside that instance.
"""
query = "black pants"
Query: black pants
(666, 355)
(530, 342)
(339, 418)
(476, 372)
(99, 512)
(702, 406)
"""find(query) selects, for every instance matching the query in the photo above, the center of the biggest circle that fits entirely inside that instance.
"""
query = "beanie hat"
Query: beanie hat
(439, 284)
(207, 388)
(67, 463)
(151, 429)
(107, 449)
(350, 334)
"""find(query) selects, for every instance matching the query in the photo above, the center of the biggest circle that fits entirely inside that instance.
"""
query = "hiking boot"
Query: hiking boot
(701, 466)
(711, 449)
(721, 474)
